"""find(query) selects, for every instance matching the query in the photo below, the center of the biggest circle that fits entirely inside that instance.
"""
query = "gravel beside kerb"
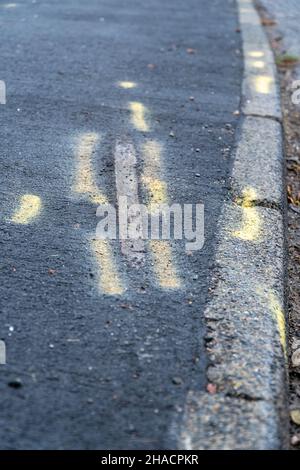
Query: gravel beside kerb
(245, 404)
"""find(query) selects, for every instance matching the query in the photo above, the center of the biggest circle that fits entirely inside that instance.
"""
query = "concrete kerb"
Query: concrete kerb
(245, 317)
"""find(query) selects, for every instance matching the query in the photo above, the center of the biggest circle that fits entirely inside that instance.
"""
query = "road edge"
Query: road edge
(245, 405)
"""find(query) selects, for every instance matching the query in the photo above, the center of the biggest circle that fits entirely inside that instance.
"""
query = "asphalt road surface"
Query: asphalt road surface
(108, 97)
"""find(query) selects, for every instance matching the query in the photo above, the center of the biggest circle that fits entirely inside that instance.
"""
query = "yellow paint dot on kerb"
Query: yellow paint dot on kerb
(30, 206)
(127, 85)
(138, 116)
(109, 281)
(262, 84)
(256, 54)
(251, 223)
(85, 183)
(258, 64)
(163, 264)
(279, 317)
(277, 313)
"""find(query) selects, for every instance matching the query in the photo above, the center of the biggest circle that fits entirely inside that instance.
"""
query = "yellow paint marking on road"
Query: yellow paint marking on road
(152, 151)
(109, 280)
(127, 85)
(263, 83)
(163, 264)
(138, 116)
(85, 182)
(157, 189)
(29, 209)
(251, 222)
(161, 250)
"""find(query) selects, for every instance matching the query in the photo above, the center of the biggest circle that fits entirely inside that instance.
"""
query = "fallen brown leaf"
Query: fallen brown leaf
(268, 22)
(211, 388)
